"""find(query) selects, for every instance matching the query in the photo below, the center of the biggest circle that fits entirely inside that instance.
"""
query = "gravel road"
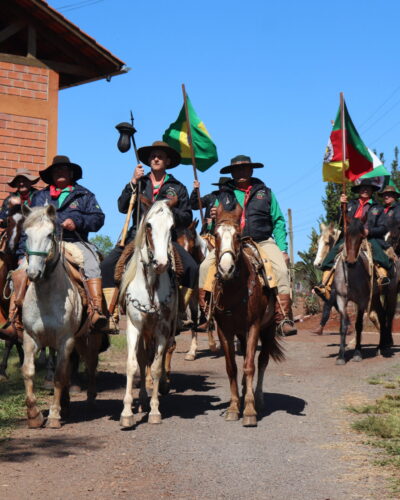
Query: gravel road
(303, 447)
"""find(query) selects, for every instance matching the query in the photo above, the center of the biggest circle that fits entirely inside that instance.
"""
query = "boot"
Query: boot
(323, 290)
(382, 275)
(111, 302)
(319, 330)
(184, 323)
(283, 313)
(14, 328)
(95, 303)
(203, 321)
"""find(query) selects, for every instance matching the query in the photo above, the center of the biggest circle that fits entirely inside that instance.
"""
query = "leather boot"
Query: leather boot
(283, 313)
(323, 290)
(203, 321)
(111, 302)
(382, 275)
(184, 323)
(14, 328)
(95, 303)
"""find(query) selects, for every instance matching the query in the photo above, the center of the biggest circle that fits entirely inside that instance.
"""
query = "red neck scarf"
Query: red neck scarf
(156, 190)
(55, 192)
(360, 209)
(246, 201)
(24, 197)
(386, 209)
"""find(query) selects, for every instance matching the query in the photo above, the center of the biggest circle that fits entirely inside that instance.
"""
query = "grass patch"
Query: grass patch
(118, 342)
(12, 396)
(382, 423)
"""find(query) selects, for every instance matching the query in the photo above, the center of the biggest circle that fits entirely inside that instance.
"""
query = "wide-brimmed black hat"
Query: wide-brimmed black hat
(222, 181)
(389, 190)
(240, 160)
(59, 161)
(173, 155)
(365, 183)
(22, 172)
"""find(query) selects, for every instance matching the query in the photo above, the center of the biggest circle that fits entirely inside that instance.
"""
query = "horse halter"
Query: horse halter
(49, 255)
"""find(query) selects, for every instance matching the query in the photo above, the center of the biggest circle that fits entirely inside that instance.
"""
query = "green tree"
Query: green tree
(304, 269)
(331, 202)
(395, 168)
(103, 244)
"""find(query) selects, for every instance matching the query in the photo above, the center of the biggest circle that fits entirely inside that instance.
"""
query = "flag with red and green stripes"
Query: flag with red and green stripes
(358, 159)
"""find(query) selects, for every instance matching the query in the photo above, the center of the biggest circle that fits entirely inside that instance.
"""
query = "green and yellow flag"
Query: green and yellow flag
(205, 151)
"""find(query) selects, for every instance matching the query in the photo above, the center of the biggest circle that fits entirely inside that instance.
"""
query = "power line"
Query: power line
(382, 116)
(380, 107)
(78, 5)
(384, 133)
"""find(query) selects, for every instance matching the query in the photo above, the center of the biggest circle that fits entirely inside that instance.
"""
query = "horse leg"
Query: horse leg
(48, 383)
(165, 382)
(91, 361)
(228, 346)
(263, 359)
(20, 351)
(341, 302)
(4, 362)
(211, 341)
(386, 323)
(156, 371)
(143, 367)
(132, 334)
(61, 382)
(75, 387)
(191, 354)
(357, 356)
(249, 412)
(35, 416)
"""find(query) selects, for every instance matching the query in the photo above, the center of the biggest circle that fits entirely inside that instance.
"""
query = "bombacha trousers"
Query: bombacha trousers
(273, 254)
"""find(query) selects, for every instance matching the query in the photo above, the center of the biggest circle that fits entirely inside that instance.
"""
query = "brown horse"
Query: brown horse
(242, 308)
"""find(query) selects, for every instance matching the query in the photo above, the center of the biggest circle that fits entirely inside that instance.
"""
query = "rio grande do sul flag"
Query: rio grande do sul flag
(358, 159)
(176, 136)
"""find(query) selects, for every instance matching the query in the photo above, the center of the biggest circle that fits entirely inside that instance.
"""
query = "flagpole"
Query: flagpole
(343, 126)
(189, 134)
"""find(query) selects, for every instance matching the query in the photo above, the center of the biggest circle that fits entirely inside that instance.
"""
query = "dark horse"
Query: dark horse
(8, 261)
(355, 281)
(242, 308)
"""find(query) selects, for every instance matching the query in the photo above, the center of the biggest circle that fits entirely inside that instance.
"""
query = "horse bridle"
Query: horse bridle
(49, 255)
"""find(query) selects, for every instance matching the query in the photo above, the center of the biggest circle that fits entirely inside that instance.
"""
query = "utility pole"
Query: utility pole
(291, 254)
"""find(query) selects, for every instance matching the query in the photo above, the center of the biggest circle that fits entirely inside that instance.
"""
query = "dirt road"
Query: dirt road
(303, 447)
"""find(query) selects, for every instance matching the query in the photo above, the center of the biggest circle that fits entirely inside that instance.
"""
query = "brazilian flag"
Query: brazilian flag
(176, 136)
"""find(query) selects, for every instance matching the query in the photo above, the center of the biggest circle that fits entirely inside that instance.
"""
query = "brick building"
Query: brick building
(41, 52)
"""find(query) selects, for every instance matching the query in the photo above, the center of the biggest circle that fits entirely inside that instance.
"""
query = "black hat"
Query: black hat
(58, 161)
(240, 160)
(365, 183)
(22, 172)
(222, 181)
(389, 190)
(173, 155)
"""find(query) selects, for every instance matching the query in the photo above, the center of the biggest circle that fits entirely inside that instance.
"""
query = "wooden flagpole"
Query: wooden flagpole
(343, 126)
(189, 134)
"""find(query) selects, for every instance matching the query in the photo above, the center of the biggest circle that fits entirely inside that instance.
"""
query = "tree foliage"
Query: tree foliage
(103, 244)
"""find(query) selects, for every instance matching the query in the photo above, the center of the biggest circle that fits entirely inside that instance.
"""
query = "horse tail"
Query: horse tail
(273, 344)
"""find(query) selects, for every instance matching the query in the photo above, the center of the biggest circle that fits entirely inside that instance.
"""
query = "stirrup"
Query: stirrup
(280, 327)
(322, 291)
(383, 280)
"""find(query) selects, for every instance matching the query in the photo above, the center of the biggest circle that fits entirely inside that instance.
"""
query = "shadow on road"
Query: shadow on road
(282, 402)
(25, 449)
(368, 351)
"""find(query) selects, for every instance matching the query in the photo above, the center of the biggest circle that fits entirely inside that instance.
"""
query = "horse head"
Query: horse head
(155, 234)
(328, 237)
(14, 227)
(186, 237)
(393, 235)
(354, 237)
(227, 240)
(41, 247)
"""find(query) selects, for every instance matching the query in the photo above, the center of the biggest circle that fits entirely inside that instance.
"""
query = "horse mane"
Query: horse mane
(140, 239)
(37, 215)
(228, 217)
(355, 227)
(15, 209)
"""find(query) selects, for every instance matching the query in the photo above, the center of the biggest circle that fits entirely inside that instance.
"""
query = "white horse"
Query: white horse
(328, 237)
(150, 291)
(52, 315)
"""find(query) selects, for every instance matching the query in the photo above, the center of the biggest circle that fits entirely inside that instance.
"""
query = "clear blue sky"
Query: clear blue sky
(264, 76)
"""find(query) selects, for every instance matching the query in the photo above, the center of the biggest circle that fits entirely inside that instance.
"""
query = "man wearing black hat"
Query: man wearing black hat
(207, 202)
(23, 180)
(391, 206)
(78, 213)
(375, 229)
(263, 221)
(156, 185)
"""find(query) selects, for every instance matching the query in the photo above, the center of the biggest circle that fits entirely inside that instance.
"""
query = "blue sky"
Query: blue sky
(264, 77)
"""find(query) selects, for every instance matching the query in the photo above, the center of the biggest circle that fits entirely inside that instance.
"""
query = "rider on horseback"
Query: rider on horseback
(156, 185)
(78, 213)
(391, 206)
(374, 230)
(263, 221)
(23, 181)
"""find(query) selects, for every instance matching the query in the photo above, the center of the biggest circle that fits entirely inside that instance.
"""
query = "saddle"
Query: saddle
(73, 263)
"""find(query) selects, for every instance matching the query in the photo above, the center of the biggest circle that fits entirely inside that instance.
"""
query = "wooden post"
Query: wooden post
(189, 134)
(291, 253)
(343, 125)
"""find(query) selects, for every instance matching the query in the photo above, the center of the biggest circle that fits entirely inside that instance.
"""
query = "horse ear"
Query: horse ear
(220, 210)
(322, 227)
(238, 211)
(331, 226)
(51, 211)
(192, 225)
(196, 223)
(25, 210)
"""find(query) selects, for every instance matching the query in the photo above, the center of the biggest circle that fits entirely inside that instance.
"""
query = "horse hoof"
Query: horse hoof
(340, 361)
(190, 357)
(164, 387)
(249, 421)
(154, 419)
(357, 358)
(386, 352)
(231, 416)
(36, 422)
(75, 389)
(53, 423)
(48, 385)
(213, 347)
(127, 422)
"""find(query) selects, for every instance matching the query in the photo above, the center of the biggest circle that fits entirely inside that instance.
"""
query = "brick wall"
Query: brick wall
(23, 137)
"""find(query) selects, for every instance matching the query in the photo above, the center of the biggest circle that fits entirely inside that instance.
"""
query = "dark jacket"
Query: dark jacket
(258, 222)
(207, 202)
(6, 205)
(171, 188)
(375, 222)
(392, 215)
(80, 205)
